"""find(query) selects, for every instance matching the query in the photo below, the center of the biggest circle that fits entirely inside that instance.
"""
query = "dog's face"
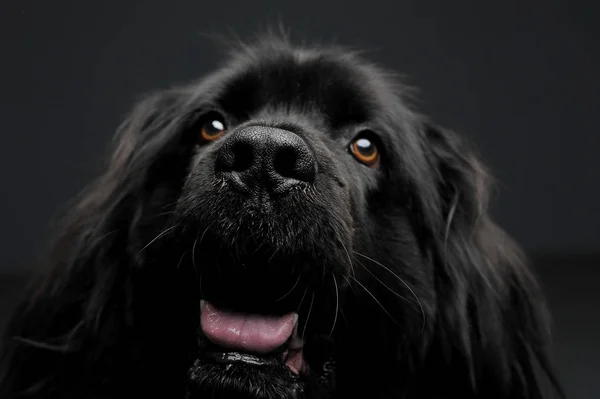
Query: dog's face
(286, 227)
(293, 187)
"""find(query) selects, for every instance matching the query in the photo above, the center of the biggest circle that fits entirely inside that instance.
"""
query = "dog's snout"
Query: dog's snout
(266, 157)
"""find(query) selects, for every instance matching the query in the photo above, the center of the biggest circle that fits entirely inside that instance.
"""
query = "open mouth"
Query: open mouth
(252, 339)
(260, 347)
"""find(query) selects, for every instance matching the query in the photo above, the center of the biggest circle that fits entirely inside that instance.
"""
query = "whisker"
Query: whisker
(199, 238)
(273, 254)
(205, 231)
(161, 234)
(290, 291)
(403, 282)
(337, 304)
(306, 324)
(312, 300)
(302, 300)
(349, 258)
(170, 205)
(376, 300)
(181, 259)
(194, 254)
(384, 284)
(343, 315)
(349, 285)
(102, 237)
(159, 214)
(42, 345)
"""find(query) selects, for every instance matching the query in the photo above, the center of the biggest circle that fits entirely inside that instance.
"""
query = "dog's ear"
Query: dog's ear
(491, 318)
(78, 311)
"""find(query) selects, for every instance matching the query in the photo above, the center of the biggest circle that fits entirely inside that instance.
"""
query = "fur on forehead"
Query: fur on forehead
(273, 73)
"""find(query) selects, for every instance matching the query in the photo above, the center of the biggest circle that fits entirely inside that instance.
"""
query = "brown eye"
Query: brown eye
(212, 129)
(365, 151)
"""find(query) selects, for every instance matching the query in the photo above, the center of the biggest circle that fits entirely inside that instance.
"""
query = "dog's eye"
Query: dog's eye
(212, 128)
(365, 151)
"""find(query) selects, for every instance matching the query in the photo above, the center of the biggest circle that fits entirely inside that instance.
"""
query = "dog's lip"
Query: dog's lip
(238, 357)
(291, 358)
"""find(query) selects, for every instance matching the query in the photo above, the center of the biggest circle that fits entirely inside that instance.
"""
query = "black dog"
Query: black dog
(287, 227)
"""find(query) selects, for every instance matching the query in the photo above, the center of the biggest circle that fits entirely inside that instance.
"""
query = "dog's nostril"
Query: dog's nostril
(235, 157)
(243, 155)
(285, 162)
(290, 163)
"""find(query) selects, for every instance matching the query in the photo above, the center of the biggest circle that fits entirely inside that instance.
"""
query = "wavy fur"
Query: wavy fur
(441, 302)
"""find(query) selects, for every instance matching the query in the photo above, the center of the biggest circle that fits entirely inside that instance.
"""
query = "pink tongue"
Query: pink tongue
(246, 332)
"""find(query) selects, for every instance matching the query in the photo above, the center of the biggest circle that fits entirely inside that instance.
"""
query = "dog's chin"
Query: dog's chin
(240, 376)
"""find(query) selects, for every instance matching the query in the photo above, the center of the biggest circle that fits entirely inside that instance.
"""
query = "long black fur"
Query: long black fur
(435, 300)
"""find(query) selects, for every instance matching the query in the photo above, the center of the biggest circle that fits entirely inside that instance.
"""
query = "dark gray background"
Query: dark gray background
(520, 78)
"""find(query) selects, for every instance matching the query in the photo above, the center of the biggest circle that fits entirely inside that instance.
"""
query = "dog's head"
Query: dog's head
(285, 227)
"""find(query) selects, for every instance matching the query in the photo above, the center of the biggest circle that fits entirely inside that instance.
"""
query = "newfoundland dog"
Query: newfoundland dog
(286, 227)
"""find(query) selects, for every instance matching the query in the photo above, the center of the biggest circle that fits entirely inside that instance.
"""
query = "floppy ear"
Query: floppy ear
(77, 322)
(491, 320)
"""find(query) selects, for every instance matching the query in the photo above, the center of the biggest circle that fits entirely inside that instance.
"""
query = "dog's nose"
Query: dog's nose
(266, 157)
